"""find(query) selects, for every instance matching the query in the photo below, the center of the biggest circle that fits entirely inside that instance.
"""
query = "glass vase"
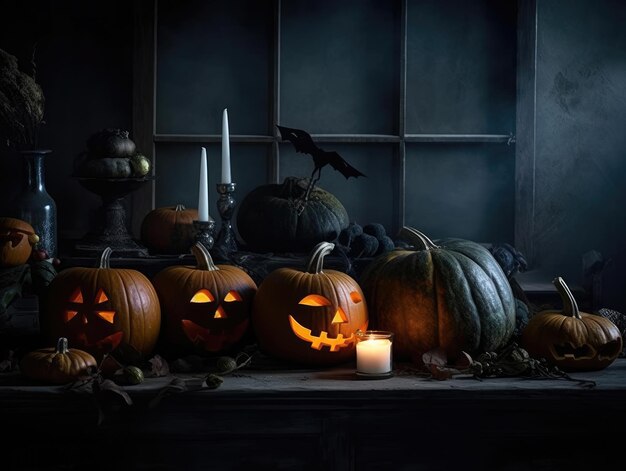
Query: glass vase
(34, 205)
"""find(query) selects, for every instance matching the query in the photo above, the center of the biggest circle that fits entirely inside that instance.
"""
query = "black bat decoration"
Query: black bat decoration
(303, 143)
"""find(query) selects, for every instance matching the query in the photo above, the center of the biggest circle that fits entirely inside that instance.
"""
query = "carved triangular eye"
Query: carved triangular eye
(314, 300)
(69, 315)
(77, 296)
(356, 297)
(101, 297)
(232, 296)
(108, 316)
(203, 296)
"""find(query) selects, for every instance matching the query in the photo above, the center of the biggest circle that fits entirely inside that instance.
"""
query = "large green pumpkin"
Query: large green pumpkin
(452, 295)
(268, 218)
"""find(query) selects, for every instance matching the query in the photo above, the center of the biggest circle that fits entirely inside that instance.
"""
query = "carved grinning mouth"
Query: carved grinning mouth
(586, 352)
(567, 350)
(215, 340)
(108, 343)
(318, 341)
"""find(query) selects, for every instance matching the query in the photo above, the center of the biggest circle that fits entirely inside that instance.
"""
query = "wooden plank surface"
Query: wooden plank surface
(342, 382)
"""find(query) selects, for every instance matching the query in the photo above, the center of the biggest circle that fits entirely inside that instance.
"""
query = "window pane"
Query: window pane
(461, 66)
(339, 71)
(461, 190)
(211, 56)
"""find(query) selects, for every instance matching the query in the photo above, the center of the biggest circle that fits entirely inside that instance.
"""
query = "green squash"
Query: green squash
(451, 295)
(268, 218)
(106, 168)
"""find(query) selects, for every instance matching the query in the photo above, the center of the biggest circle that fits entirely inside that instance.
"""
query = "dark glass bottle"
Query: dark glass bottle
(35, 205)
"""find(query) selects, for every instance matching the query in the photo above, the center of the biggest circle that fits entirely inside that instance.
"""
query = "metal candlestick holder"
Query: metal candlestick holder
(203, 232)
(226, 239)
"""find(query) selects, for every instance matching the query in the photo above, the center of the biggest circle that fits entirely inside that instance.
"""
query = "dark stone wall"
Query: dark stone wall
(84, 66)
(581, 140)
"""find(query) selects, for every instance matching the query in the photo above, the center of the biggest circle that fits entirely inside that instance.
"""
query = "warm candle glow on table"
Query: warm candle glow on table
(225, 148)
(373, 354)
(203, 193)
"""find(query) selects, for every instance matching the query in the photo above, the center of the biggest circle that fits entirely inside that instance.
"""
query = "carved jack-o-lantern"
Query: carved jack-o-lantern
(102, 310)
(17, 238)
(205, 308)
(571, 339)
(309, 317)
(91, 322)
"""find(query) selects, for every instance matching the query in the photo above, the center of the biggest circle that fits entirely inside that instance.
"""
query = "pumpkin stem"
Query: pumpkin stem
(179, 207)
(316, 260)
(105, 258)
(417, 238)
(62, 346)
(570, 306)
(203, 257)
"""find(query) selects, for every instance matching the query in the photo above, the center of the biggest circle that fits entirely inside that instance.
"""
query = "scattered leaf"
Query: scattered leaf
(176, 385)
(159, 365)
(109, 386)
(440, 373)
(435, 357)
(109, 366)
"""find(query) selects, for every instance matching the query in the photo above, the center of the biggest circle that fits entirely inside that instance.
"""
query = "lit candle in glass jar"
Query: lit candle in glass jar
(374, 354)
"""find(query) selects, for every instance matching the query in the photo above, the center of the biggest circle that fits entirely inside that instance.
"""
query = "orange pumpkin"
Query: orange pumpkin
(169, 230)
(57, 365)
(205, 308)
(309, 317)
(104, 310)
(571, 339)
(17, 238)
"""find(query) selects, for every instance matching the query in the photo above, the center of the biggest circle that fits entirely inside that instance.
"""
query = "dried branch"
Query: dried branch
(21, 104)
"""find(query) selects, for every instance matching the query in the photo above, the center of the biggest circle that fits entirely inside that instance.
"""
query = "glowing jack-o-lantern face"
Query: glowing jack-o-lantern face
(214, 325)
(206, 308)
(91, 322)
(309, 317)
(570, 339)
(102, 310)
(331, 336)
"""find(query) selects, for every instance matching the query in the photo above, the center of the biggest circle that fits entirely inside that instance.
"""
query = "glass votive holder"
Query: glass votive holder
(374, 354)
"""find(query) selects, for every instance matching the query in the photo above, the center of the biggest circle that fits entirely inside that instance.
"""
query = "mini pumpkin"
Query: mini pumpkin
(17, 238)
(104, 310)
(205, 308)
(169, 230)
(58, 365)
(309, 317)
(571, 339)
(451, 295)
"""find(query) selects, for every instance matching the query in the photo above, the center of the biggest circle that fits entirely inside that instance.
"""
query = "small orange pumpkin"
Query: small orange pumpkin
(205, 308)
(310, 316)
(17, 238)
(570, 339)
(104, 310)
(58, 365)
(169, 230)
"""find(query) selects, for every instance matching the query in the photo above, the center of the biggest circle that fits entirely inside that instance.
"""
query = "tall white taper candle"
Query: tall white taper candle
(203, 193)
(225, 148)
